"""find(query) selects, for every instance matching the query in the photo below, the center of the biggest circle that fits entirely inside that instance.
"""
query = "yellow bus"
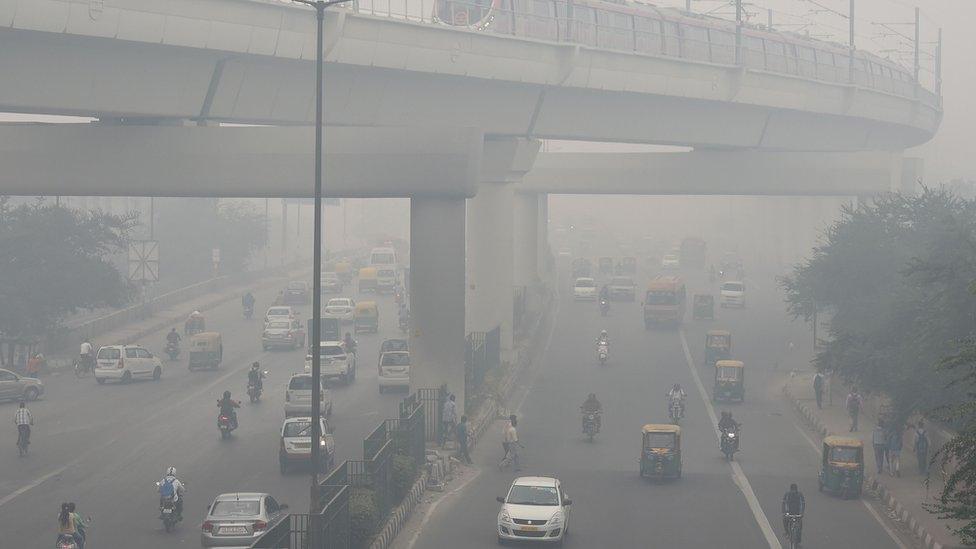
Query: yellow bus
(664, 301)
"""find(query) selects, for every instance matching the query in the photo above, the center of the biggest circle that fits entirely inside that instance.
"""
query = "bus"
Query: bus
(664, 302)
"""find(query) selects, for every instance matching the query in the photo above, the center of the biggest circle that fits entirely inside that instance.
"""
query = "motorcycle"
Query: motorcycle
(66, 541)
(173, 350)
(590, 425)
(168, 511)
(254, 391)
(602, 351)
(729, 443)
(676, 410)
(604, 307)
(248, 311)
(225, 424)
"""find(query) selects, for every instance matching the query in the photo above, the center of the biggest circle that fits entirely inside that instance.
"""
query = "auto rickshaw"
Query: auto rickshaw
(366, 317)
(195, 323)
(718, 346)
(729, 380)
(343, 269)
(703, 306)
(367, 280)
(660, 451)
(605, 265)
(206, 350)
(842, 467)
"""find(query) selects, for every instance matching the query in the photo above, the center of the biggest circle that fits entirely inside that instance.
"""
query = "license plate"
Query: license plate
(233, 530)
(528, 528)
(167, 511)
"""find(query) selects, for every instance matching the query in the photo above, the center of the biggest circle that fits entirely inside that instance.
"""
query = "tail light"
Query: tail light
(260, 525)
(207, 526)
(121, 363)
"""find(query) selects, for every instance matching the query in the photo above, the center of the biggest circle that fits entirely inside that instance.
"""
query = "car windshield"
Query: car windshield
(396, 359)
(843, 454)
(533, 495)
(393, 345)
(386, 273)
(733, 286)
(659, 440)
(300, 383)
(382, 258)
(236, 508)
(279, 311)
(338, 303)
(331, 350)
(282, 325)
(661, 298)
(728, 372)
(585, 283)
(297, 429)
(717, 341)
(109, 354)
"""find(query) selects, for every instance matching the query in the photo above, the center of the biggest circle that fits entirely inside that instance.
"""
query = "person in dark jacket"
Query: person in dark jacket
(794, 504)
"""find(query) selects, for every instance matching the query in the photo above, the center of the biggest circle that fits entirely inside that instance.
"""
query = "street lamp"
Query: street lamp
(316, 434)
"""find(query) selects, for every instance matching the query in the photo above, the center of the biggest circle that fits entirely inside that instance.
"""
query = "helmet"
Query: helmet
(226, 394)
(255, 365)
(793, 487)
(171, 471)
(603, 332)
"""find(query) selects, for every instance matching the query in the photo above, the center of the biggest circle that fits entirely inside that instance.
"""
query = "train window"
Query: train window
(753, 54)
(562, 10)
(775, 55)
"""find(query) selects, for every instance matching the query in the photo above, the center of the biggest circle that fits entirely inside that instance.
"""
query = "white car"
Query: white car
(336, 362)
(535, 509)
(584, 289)
(296, 444)
(623, 288)
(670, 261)
(386, 280)
(126, 362)
(394, 370)
(733, 294)
(341, 308)
(298, 396)
(279, 312)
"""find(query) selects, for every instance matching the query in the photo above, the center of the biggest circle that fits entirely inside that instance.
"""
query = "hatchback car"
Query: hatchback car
(124, 363)
(331, 283)
(536, 508)
(295, 292)
(335, 361)
(733, 294)
(584, 289)
(296, 444)
(298, 396)
(237, 520)
(341, 308)
(279, 312)
(623, 288)
(283, 333)
(394, 370)
(17, 387)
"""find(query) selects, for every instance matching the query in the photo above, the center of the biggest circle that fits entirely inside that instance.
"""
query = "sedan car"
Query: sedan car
(283, 333)
(279, 312)
(584, 289)
(17, 387)
(236, 520)
(535, 509)
(342, 308)
(623, 288)
(331, 283)
(296, 444)
(296, 292)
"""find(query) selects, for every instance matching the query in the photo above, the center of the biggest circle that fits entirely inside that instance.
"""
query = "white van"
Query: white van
(125, 363)
(733, 294)
(298, 396)
(383, 257)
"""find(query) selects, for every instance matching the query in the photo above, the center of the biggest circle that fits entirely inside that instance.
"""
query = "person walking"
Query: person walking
(854, 403)
(448, 419)
(818, 387)
(462, 440)
(879, 440)
(512, 445)
(895, 443)
(922, 448)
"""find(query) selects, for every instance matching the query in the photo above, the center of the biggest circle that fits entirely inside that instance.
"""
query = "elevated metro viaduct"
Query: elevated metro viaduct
(160, 76)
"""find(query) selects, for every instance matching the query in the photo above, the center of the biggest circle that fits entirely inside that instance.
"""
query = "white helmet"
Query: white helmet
(171, 472)
(603, 333)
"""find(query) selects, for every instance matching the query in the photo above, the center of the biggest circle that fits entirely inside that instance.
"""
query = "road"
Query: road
(612, 506)
(104, 446)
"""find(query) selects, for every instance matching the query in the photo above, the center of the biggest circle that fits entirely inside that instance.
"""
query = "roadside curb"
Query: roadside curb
(398, 517)
(897, 510)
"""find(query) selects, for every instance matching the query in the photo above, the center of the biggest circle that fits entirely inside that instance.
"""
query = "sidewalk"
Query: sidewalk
(904, 495)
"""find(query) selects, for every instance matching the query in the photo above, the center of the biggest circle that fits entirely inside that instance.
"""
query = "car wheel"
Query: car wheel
(157, 373)
(31, 394)
(126, 377)
(100, 380)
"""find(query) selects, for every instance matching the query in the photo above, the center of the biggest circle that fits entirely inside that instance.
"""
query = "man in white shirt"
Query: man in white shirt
(86, 353)
(448, 419)
(24, 420)
(511, 444)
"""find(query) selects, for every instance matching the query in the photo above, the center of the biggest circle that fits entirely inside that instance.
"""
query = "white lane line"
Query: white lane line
(738, 476)
(877, 517)
(37, 482)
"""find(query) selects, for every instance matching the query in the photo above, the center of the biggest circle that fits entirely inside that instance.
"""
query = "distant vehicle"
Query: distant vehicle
(335, 362)
(584, 289)
(535, 509)
(623, 288)
(733, 294)
(279, 312)
(383, 257)
(298, 396)
(239, 519)
(394, 370)
(124, 363)
(605, 265)
(664, 302)
(283, 333)
(342, 308)
(393, 345)
(17, 387)
(331, 283)
(670, 261)
(582, 267)
(295, 292)
(628, 265)
(693, 253)
(296, 444)
(386, 279)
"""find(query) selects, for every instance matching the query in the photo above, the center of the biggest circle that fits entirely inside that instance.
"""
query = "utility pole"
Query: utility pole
(850, 17)
(738, 32)
(916, 45)
(284, 230)
(938, 66)
(769, 18)
(267, 231)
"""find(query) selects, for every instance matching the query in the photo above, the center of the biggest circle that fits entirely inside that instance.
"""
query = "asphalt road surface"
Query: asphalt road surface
(105, 446)
(713, 504)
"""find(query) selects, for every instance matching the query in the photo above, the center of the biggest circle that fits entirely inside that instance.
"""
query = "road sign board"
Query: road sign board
(144, 261)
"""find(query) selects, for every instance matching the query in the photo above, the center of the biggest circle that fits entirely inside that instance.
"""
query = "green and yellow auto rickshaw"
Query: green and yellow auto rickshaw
(660, 451)
(206, 350)
(366, 317)
(730, 376)
(718, 346)
(842, 467)
(367, 280)
(703, 307)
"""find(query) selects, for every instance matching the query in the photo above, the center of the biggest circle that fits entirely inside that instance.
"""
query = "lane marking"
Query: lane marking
(738, 476)
(37, 482)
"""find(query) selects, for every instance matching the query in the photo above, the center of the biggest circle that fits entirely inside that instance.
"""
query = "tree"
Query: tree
(54, 261)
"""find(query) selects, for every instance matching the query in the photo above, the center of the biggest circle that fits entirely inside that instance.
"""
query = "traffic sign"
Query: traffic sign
(144, 261)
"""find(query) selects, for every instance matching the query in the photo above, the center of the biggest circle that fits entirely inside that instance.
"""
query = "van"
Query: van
(386, 279)
(125, 363)
(383, 257)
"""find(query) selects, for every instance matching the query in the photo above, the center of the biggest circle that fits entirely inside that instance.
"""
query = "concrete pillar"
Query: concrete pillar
(490, 262)
(526, 213)
(545, 263)
(437, 294)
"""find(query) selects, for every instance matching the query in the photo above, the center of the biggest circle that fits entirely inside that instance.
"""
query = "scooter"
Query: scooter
(253, 392)
(173, 350)
(604, 307)
(729, 443)
(590, 426)
(168, 512)
(602, 351)
(65, 541)
(225, 425)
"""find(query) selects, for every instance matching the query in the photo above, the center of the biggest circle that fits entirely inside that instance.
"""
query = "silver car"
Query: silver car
(238, 519)
(18, 387)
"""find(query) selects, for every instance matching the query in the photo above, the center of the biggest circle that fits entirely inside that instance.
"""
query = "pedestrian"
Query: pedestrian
(818, 387)
(854, 403)
(448, 419)
(34, 365)
(922, 448)
(512, 445)
(462, 440)
(895, 442)
(879, 440)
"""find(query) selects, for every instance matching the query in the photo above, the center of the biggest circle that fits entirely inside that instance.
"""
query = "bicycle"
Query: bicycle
(793, 530)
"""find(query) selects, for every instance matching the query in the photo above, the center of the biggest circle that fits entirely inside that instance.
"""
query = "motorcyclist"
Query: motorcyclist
(349, 343)
(592, 405)
(677, 392)
(86, 354)
(604, 338)
(794, 504)
(605, 293)
(170, 486)
(727, 424)
(255, 376)
(227, 407)
(248, 301)
(173, 337)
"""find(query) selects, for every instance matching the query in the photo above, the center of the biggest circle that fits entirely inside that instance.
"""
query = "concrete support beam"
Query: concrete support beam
(490, 260)
(526, 243)
(158, 160)
(437, 294)
(714, 172)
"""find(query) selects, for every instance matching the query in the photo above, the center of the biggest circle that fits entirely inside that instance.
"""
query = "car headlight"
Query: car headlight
(557, 518)
(503, 516)
(322, 443)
